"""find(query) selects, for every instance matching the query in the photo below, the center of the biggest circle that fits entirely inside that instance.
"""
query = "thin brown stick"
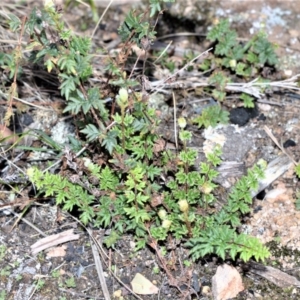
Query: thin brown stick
(178, 71)
(13, 88)
(175, 121)
(270, 134)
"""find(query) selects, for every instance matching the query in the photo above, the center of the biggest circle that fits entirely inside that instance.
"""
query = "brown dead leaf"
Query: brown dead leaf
(6, 135)
(159, 146)
(157, 200)
(57, 251)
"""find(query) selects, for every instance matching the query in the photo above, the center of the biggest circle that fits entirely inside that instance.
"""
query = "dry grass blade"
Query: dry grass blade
(105, 3)
(101, 18)
(99, 269)
(76, 295)
(99, 248)
(165, 81)
(27, 222)
(163, 53)
(32, 104)
(254, 87)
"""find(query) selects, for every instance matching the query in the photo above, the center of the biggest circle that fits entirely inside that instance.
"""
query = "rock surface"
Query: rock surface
(226, 283)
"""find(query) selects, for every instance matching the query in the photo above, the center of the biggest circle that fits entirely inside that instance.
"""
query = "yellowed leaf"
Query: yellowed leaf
(117, 294)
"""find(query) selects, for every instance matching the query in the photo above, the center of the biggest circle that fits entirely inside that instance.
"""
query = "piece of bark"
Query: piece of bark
(53, 240)
(274, 275)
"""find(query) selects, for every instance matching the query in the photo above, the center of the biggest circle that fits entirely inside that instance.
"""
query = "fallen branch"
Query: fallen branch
(253, 88)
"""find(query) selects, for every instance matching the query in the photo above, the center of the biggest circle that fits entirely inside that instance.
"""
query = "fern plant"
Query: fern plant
(185, 211)
(128, 192)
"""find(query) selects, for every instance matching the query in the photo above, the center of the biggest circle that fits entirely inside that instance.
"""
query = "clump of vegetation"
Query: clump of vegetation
(232, 59)
(241, 60)
(128, 191)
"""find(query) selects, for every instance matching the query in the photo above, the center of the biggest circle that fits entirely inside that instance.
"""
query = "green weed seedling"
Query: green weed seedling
(19, 277)
(55, 273)
(155, 270)
(5, 271)
(187, 263)
(40, 284)
(70, 282)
